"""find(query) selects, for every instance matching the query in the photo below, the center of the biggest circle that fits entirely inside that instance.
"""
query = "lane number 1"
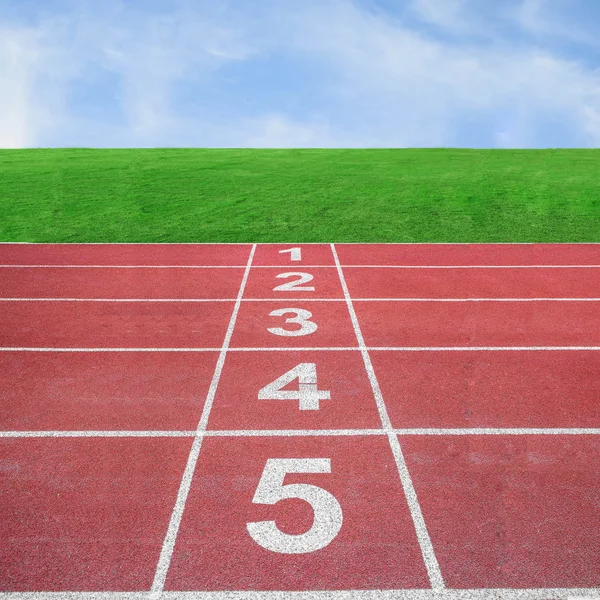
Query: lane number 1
(327, 520)
(295, 253)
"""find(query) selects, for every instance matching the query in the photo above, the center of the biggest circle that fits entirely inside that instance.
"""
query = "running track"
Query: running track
(169, 416)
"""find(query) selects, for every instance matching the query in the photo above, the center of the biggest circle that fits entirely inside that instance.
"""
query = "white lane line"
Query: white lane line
(313, 349)
(470, 267)
(423, 431)
(410, 594)
(298, 349)
(230, 300)
(158, 243)
(122, 267)
(429, 558)
(304, 266)
(437, 267)
(307, 243)
(48, 266)
(292, 432)
(589, 299)
(306, 299)
(31, 349)
(476, 348)
(501, 431)
(95, 433)
(186, 481)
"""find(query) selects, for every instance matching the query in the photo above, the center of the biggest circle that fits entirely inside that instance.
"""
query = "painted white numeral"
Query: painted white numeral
(296, 285)
(295, 253)
(302, 316)
(308, 393)
(327, 520)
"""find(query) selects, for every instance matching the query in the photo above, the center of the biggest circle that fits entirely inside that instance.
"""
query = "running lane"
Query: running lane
(121, 283)
(113, 324)
(125, 254)
(469, 254)
(460, 282)
(510, 511)
(475, 324)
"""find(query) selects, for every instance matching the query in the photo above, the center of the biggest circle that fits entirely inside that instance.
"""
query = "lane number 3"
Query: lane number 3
(302, 318)
(327, 520)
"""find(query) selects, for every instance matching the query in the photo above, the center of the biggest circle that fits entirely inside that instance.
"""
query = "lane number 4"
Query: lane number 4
(307, 393)
(327, 520)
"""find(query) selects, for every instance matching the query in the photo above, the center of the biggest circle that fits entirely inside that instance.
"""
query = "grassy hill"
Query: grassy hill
(241, 195)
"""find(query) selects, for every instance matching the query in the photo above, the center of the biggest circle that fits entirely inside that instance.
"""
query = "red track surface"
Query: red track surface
(456, 449)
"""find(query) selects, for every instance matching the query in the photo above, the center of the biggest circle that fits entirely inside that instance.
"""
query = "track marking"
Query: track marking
(349, 594)
(476, 348)
(502, 431)
(472, 300)
(411, 594)
(472, 266)
(293, 432)
(231, 300)
(306, 432)
(186, 481)
(431, 563)
(300, 299)
(122, 266)
(8, 266)
(305, 243)
(83, 433)
(310, 349)
(30, 349)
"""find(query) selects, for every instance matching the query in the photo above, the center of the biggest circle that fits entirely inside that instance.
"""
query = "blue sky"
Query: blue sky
(300, 73)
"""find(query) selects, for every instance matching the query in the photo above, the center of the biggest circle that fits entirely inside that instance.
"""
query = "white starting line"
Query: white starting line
(421, 431)
(412, 594)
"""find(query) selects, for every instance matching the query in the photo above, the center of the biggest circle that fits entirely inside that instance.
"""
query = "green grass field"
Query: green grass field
(197, 195)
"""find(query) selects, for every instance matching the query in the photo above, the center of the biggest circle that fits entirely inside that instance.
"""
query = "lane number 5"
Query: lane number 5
(327, 520)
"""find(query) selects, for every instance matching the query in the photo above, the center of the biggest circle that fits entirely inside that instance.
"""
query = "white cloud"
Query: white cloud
(149, 54)
(447, 14)
(590, 117)
(153, 54)
(543, 19)
(18, 57)
(410, 87)
(381, 83)
(278, 131)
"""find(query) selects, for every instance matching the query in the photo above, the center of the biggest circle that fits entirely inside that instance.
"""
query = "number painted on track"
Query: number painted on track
(296, 285)
(308, 393)
(295, 253)
(302, 318)
(328, 517)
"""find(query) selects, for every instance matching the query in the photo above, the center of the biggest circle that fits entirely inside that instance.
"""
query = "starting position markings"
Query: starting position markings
(282, 426)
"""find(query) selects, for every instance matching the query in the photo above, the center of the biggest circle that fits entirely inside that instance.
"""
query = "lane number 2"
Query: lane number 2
(327, 520)
(296, 284)
(308, 394)
(295, 253)
(302, 318)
